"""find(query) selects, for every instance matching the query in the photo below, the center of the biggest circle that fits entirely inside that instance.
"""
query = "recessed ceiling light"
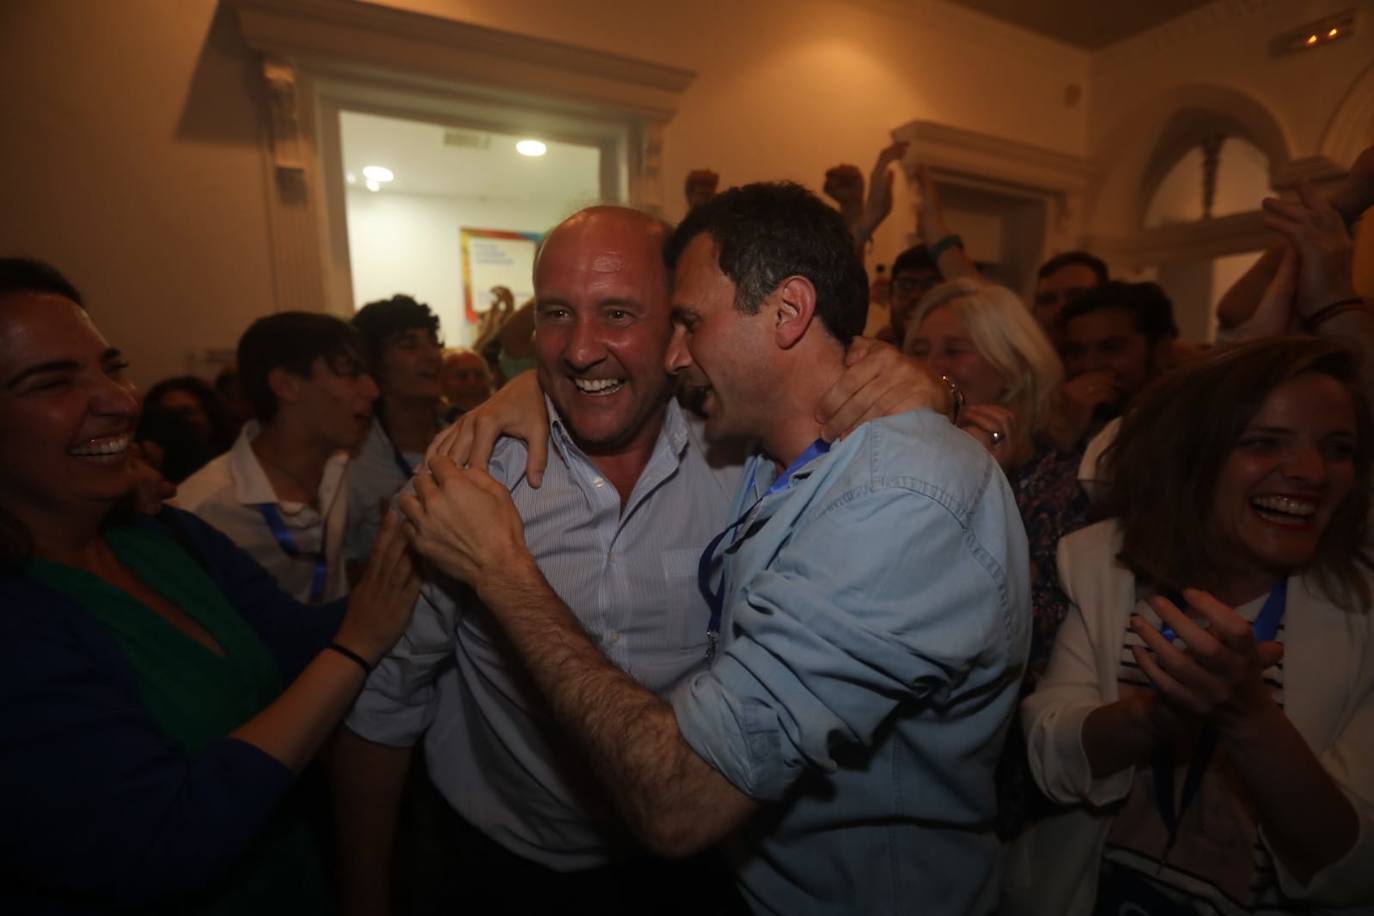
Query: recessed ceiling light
(373, 186)
(378, 173)
(531, 148)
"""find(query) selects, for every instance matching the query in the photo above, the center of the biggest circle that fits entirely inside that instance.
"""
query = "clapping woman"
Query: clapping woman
(1209, 706)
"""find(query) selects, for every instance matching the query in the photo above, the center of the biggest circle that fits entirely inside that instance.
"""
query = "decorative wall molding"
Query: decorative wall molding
(319, 56)
(956, 150)
(1204, 239)
(280, 76)
(362, 38)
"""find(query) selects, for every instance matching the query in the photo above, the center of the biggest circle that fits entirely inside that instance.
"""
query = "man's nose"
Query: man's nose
(677, 357)
(585, 348)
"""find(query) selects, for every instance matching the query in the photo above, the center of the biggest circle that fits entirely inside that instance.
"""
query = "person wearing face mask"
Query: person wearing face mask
(401, 336)
(982, 338)
(160, 692)
(1209, 706)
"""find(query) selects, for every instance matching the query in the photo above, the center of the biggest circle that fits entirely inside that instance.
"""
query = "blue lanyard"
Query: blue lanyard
(272, 516)
(396, 455)
(715, 598)
(1266, 626)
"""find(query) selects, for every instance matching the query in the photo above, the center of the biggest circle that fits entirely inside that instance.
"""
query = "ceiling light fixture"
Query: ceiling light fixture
(1315, 35)
(378, 173)
(531, 148)
(373, 186)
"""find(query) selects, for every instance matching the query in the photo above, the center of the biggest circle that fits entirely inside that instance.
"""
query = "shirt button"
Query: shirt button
(597, 482)
(615, 638)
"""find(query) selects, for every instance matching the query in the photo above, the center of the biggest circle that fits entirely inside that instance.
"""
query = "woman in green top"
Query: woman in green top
(158, 693)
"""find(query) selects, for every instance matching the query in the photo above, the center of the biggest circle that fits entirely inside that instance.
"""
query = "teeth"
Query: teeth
(598, 385)
(1286, 505)
(103, 448)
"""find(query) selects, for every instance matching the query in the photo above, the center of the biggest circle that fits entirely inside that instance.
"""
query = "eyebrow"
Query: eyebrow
(58, 365)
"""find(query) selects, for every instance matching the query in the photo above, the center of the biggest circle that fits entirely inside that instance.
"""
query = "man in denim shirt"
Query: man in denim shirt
(873, 603)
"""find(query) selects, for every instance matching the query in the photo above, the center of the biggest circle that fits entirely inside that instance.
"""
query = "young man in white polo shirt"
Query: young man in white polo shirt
(279, 492)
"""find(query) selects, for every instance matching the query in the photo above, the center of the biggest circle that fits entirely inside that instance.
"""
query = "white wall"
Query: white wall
(134, 160)
(131, 160)
(788, 88)
(408, 243)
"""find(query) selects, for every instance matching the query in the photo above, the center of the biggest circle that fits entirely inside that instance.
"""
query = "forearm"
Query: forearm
(672, 799)
(1115, 738)
(368, 780)
(1238, 303)
(1307, 820)
(294, 726)
(1354, 329)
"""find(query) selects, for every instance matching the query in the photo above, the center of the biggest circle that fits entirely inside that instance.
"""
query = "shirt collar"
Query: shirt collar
(674, 432)
(251, 486)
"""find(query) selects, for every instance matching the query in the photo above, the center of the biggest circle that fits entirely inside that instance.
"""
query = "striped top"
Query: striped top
(1218, 865)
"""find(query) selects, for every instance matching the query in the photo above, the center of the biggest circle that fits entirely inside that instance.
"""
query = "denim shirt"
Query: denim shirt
(875, 629)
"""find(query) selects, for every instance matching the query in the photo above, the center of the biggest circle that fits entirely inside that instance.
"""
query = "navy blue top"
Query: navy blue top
(98, 810)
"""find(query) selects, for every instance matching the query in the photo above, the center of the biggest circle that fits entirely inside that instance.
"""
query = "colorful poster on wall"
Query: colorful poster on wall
(495, 257)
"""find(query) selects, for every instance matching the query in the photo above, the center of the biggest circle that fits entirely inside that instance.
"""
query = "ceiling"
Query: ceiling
(1089, 24)
(482, 165)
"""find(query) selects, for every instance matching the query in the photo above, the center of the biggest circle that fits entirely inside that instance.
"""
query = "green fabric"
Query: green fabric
(196, 696)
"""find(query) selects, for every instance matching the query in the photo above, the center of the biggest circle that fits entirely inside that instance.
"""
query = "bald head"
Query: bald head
(609, 239)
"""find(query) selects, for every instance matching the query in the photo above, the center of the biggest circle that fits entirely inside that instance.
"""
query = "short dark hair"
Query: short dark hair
(1167, 458)
(1147, 304)
(293, 341)
(1069, 258)
(383, 319)
(26, 275)
(914, 258)
(769, 231)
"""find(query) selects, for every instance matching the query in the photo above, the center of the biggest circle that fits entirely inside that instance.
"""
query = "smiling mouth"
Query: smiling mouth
(103, 449)
(598, 387)
(1290, 511)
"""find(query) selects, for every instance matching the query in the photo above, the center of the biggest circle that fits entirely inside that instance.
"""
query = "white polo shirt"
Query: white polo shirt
(228, 493)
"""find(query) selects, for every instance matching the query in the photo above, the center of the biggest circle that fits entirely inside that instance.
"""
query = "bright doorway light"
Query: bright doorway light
(378, 173)
(531, 148)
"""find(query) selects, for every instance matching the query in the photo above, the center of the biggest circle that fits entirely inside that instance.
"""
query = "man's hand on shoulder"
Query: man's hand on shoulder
(517, 410)
(879, 381)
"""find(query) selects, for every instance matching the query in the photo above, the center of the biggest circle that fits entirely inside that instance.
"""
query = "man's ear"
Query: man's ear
(796, 306)
(285, 385)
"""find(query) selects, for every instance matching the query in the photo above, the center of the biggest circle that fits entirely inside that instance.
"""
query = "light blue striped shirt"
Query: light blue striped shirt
(631, 578)
(877, 619)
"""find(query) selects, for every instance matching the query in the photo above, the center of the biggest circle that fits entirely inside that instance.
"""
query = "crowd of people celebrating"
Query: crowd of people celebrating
(693, 599)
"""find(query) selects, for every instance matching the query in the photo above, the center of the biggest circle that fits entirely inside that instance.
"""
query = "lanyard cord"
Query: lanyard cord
(277, 524)
(715, 598)
(1266, 626)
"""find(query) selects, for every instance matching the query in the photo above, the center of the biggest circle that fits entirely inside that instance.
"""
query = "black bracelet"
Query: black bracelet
(351, 656)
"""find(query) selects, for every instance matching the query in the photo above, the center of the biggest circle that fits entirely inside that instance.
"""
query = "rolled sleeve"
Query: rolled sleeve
(827, 641)
(397, 704)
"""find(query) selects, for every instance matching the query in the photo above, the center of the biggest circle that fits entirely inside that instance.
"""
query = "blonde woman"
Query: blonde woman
(983, 338)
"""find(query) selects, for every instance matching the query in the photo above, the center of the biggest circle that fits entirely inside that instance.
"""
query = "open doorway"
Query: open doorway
(444, 213)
